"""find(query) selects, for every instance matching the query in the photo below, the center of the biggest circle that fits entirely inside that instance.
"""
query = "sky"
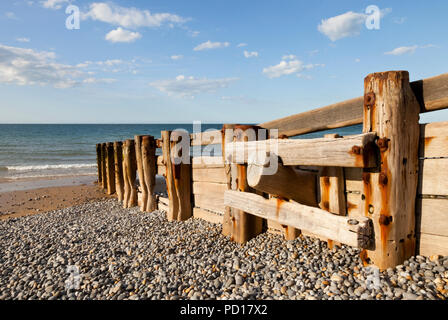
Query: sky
(177, 61)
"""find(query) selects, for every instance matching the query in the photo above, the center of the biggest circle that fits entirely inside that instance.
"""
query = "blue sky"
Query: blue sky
(216, 61)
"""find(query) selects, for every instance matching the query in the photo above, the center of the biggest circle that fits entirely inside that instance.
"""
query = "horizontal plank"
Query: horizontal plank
(335, 152)
(337, 115)
(433, 245)
(217, 175)
(162, 207)
(433, 177)
(354, 232)
(211, 217)
(434, 140)
(215, 204)
(209, 188)
(206, 138)
(432, 93)
(207, 162)
(160, 161)
(163, 200)
(432, 216)
(354, 205)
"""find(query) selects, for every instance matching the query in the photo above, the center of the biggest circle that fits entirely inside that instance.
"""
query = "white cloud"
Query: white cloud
(122, 35)
(289, 65)
(400, 20)
(242, 45)
(211, 45)
(20, 66)
(23, 40)
(191, 86)
(357, 60)
(11, 15)
(252, 54)
(408, 50)
(345, 25)
(177, 57)
(130, 17)
(53, 4)
(94, 80)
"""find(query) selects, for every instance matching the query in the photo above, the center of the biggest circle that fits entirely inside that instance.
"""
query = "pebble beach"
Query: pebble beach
(100, 251)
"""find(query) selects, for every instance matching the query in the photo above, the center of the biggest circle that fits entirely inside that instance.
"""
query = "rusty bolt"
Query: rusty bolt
(353, 222)
(357, 150)
(385, 220)
(383, 179)
(371, 209)
(383, 144)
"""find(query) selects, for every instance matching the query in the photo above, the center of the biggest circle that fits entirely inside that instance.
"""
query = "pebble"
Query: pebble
(116, 253)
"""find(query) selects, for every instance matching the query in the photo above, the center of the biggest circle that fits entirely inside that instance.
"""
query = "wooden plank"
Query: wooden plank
(433, 245)
(162, 207)
(129, 174)
(210, 203)
(353, 179)
(207, 162)
(434, 140)
(206, 138)
(161, 170)
(354, 151)
(148, 150)
(118, 159)
(354, 205)
(211, 217)
(99, 164)
(216, 175)
(103, 166)
(433, 216)
(209, 188)
(164, 200)
(356, 233)
(392, 111)
(433, 177)
(431, 93)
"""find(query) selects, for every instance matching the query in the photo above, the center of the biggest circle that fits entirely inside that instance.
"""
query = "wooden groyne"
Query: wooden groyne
(384, 191)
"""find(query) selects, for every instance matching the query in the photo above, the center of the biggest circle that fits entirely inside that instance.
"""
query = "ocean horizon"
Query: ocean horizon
(30, 151)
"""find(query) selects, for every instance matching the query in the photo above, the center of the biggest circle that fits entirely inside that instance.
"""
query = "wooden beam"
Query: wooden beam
(211, 217)
(110, 168)
(119, 180)
(216, 175)
(431, 244)
(129, 174)
(138, 157)
(148, 149)
(434, 140)
(392, 111)
(103, 166)
(206, 138)
(99, 164)
(287, 183)
(433, 177)
(207, 162)
(353, 151)
(354, 232)
(209, 188)
(432, 216)
(431, 93)
(215, 204)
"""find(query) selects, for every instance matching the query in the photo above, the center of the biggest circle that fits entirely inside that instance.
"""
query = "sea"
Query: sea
(33, 151)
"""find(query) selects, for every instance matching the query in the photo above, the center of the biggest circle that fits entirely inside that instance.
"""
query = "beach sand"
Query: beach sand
(28, 197)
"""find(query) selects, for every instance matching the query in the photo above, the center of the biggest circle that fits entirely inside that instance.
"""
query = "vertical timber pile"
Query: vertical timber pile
(118, 157)
(332, 190)
(176, 155)
(392, 111)
(99, 164)
(129, 173)
(110, 168)
(239, 225)
(149, 171)
(103, 166)
(138, 157)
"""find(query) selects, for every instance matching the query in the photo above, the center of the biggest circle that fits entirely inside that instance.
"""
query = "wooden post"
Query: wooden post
(110, 168)
(103, 166)
(130, 172)
(141, 179)
(239, 225)
(99, 164)
(178, 177)
(149, 171)
(118, 157)
(392, 111)
(332, 190)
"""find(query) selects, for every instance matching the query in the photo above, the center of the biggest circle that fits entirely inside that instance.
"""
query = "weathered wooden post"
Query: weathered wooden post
(103, 166)
(141, 179)
(110, 168)
(332, 190)
(239, 225)
(149, 171)
(130, 173)
(118, 157)
(99, 164)
(178, 174)
(389, 193)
